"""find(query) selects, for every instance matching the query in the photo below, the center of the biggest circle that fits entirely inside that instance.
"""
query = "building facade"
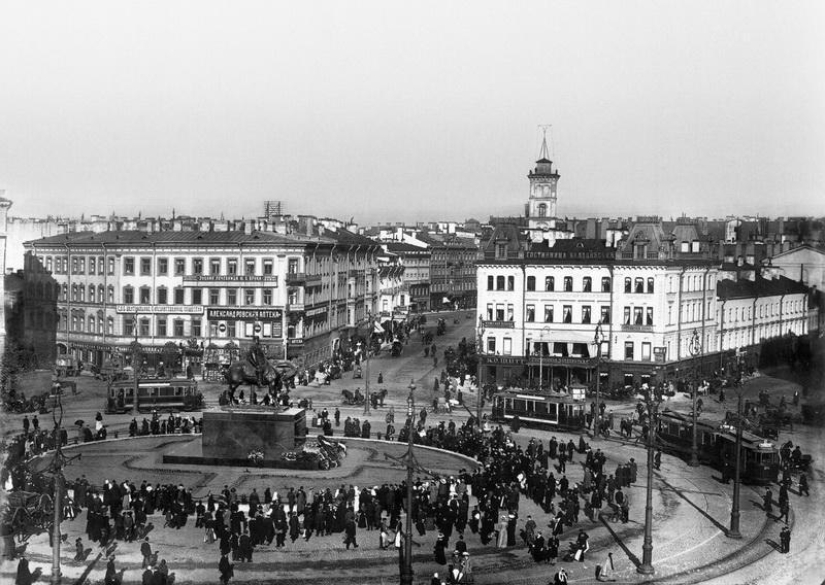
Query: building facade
(89, 295)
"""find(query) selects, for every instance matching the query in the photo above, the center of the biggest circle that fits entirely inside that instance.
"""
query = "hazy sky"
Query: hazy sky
(411, 110)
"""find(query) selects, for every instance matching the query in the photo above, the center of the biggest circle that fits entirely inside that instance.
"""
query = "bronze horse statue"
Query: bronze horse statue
(261, 374)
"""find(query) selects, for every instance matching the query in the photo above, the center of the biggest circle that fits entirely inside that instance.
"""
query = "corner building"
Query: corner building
(539, 311)
(90, 295)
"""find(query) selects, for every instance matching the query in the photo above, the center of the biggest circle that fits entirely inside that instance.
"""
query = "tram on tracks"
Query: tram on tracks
(168, 394)
(549, 410)
(716, 445)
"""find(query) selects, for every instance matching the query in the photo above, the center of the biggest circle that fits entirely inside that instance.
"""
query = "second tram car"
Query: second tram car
(553, 409)
(716, 442)
(154, 394)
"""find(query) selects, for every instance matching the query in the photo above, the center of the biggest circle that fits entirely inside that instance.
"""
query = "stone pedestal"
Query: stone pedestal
(231, 433)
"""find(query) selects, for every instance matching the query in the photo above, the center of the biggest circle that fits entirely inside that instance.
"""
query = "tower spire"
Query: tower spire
(544, 153)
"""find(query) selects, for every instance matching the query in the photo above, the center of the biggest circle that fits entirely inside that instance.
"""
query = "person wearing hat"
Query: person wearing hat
(78, 547)
(146, 551)
(440, 549)
(111, 577)
(24, 575)
(560, 577)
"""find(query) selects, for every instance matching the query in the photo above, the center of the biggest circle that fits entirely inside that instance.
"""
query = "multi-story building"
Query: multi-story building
(539, 311)
(416, 262)
(452, 270)
(89, 294)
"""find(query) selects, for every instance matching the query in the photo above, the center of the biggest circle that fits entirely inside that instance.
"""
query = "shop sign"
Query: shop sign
(161, 309)
(316, 311)
(295, 342)
(244, 314)
(234, 278)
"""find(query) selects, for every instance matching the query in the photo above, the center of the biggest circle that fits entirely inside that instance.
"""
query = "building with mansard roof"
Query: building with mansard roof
(300, 295)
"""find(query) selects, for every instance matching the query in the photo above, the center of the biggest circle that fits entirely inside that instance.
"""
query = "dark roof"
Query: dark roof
(133, 237)
(401, 247)
(760, 287)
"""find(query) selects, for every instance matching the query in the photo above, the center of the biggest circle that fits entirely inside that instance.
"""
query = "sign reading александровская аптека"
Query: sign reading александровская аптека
(241, 314)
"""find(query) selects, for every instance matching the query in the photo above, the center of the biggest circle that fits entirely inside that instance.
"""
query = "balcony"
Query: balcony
(498, 324)
(296, 278)
(637, 328)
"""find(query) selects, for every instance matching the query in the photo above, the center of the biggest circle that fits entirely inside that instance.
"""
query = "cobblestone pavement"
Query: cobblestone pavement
(691, 507)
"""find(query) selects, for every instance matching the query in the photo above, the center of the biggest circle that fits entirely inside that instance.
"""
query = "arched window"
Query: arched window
(499, 283)
(542, 210)
(128, 295)
(91, 324)
(101, 295)
(511, 283)
(110, 295)
(74, 292)
(110, 325)
(91, 293)
(549, 283)
(531, 283)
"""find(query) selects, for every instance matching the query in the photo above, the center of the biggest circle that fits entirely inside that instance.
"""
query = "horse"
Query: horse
(350, 398)
(240, 373)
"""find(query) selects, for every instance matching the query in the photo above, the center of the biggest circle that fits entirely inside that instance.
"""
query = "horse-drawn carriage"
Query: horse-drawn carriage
(36, 403)
(28, 513)
(352, 398)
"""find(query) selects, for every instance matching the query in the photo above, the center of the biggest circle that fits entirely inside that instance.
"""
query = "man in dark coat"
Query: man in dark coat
(225, 568)
(349, 531)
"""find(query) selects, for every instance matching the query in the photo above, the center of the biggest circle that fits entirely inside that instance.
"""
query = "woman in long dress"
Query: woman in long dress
(501, 529)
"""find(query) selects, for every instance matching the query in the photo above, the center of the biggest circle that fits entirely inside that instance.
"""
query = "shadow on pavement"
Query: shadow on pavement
(633, 558)
(681, 494)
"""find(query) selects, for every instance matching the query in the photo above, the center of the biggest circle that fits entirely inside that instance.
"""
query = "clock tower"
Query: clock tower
(543, 182)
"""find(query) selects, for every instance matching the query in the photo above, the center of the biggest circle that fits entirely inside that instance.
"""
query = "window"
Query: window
(232, 296)
(163, 295)
(180, 266)
(196, 328)
(507, 346)
(640, 285)
(542, 209)
(568, 284)
(214, 296)
(586, 314)
(144, 327)
(531, 314)
(197, 296)
(128, 295)
(110, 294)
(499, 312)
(129, 266)
(249, 266)
(162, 327)
(531, 283)
(178, 325)
(490, 311)
(490, 281)
(179, 296)
(101, 294)
(197, 265)
(511, 283)
(92, 265)
(232, 266)
(74, 265)
(549, 283)
(145, 296)
(214, 266)
(267, 296)
(499, 283)
(510, 316)
(213, 329)
(110, 326)
(292, 266)
(268, 267)
(637, 316)
(91, 293)
(649, 316)
(627, 315)
(163, 266)
(249, 296)
(491, 345)
(605, 315)
(128, 325)
(548, 313)
(628, 350)
(145, 266)
(628, 285)
(567, 313)
(587, 284)
(100, 266)
(111, 267)
(90, 327)
(230, 328)
(650, 285)
(646, 351)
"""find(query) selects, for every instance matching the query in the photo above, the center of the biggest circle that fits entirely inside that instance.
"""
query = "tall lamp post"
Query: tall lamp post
(135, 365)
(695, 348)
(734, 506)
(598, 339)
(406, 570)
(479, 367)
(646, 568)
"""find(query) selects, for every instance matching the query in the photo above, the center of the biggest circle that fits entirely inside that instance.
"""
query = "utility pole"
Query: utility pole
(479, 368)
(58, 463)
(135, 366)
(598, 339)
(367, 363)
(695, 349)
(407, 571)
(646, 568)
(734, 510)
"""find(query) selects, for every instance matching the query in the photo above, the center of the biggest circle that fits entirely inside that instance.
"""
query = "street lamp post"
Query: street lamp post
(734, 509)
(598, 339)
(135, 358)
(695, 349)
(406, 571)
(479, 367)
(646, 568)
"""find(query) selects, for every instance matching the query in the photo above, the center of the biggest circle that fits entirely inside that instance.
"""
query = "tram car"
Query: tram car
(173, 394)
(716, 444)
(550, 410)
